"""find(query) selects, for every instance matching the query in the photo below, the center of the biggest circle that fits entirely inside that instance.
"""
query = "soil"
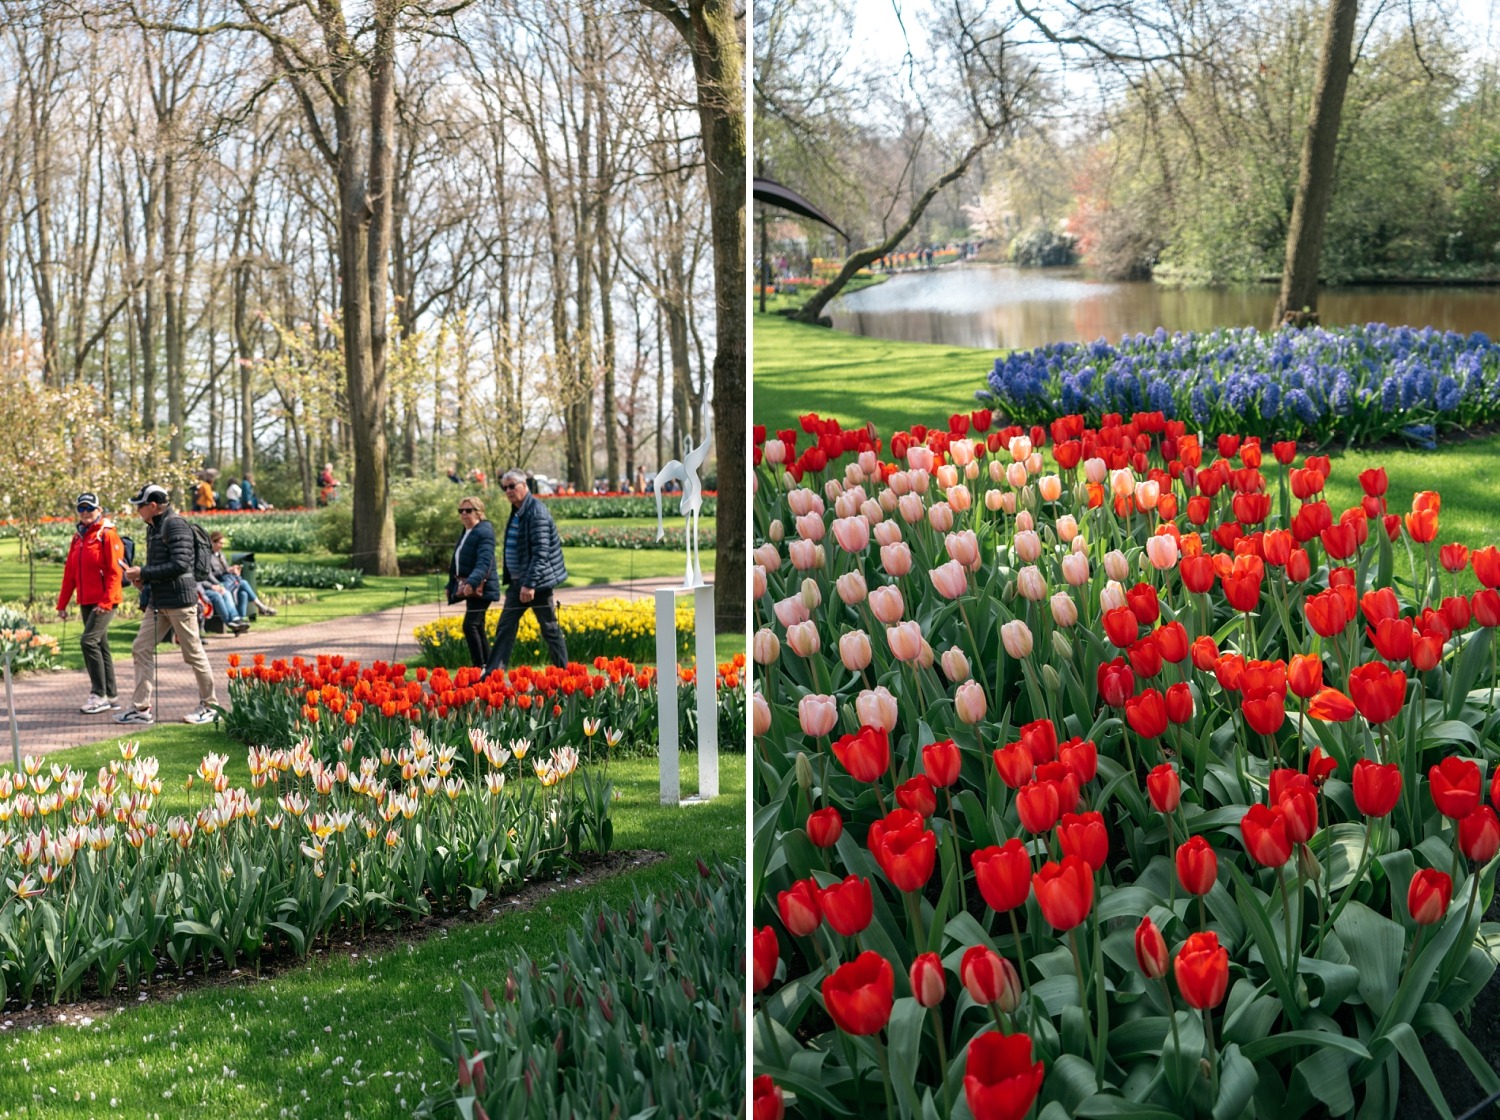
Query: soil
(1458, 1084)
(593, 869)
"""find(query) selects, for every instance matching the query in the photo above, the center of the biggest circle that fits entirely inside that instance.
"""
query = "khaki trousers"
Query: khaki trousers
(154, 624)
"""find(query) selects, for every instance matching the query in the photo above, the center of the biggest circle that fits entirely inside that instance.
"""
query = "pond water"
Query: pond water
(1001, 306)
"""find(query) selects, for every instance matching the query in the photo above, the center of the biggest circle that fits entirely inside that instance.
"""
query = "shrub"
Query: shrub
(305, 851)
(250, 531)
(308, 575)
(587, 507)
(24, 644)
(639, 1014)
(604, 628)
(1040, 247)
(637, 539)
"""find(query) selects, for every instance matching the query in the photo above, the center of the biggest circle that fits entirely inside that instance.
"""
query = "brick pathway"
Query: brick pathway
(47, 704)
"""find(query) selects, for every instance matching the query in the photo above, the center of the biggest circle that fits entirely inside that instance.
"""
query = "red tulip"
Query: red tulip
(1172, 642)
(1331, 706)
(1000, 1080)
(904, 849)
(1084, 835)
(1299, 813)
(824, 827)
(1202, 970)
(1038, 806)
(929, 983)
(1164, 787)
(1039, 737)
(799, 908)
(917, 794)
(1205, 654)
(1064, 891)
(1326, 613)
(1457, 612)
(769, 1104)
(1380, 604)
(1454, 784)
(1230, 671)
(1015, 764)
(848, 906)
(859, 995)
(990, 978)
(1060, 775)
(1392, 638)
(1197, 571)
(1373, 481)
(1143, 603)
(1298, 566)
(1147, 714)
(1377, 692)
(1121, 626)
(1479, 835)
(1179, 699)
(1428, 896)
(1264, 832)
(1145, 657)
(1242, 584)
(1265, 711)
(1422, 524)
(1197, 865)
(766, 953)
(1320, 766)
(1377, 787)
(942, 762)
(866, 754)
(1495, 789)
(1486, 565)
(1284, 450)
(1082, 757)
(1116, 682)
(1453, 557)
(1304, 674)
(1150, 950)
(1251, 509)
(1340, 541)
(1004, 875)
(1486, 606)
(1284, 778)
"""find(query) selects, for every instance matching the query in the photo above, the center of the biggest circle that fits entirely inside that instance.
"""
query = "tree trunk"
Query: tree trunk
(1297, 303)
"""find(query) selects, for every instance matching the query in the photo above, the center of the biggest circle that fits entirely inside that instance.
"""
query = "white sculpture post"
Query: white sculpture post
(670, 739)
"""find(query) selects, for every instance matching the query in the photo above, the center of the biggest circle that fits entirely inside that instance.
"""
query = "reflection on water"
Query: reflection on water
(1000, 306)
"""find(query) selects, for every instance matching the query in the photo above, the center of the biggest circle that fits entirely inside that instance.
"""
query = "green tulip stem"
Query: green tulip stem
(942, 1045)
(963, 612)
(1489, 711)
(1213, 1053)
(1084, 1004)
(885, 1075)
(771, 1040)
(1101, 1023)
(963, 889)
(1171, 871)
(914, 914)
(1015, 931)
(1359, 873)
(1286, 915)
(1166, 991)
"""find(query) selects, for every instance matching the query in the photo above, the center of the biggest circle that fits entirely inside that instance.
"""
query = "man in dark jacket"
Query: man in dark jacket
(171, 603)
(532, 566)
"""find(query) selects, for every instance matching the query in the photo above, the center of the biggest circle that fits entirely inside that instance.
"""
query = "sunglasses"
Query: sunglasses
(87, 509)
(467, 509)
(509, 486)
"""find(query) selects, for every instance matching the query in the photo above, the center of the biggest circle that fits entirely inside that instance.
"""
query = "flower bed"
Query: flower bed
(308, 575)
(1142, 788)
(604, 628)
(1356, 384)
(646, 1003)
(103, 886)
(673, 540)
(26, 646)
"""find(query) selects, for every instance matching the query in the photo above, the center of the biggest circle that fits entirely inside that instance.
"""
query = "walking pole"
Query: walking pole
(400, 619)
(10, 706)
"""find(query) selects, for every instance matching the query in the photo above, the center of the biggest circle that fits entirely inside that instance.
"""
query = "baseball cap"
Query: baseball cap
(87, 501)
(150, 492)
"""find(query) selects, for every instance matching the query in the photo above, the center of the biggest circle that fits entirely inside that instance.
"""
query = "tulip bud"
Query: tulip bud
(851, 588)
(804, 772)
(1030, 584)
(1008, 593)
(929, 984)
(1067, 528)
(1116, 566)
(758, 581)
(1081, 496)
(1064, 610)
(993, 499)
(766, 648)
(1150, 950)
(925, 657)
(969, 702)
(803, 638)
(1051, 680)
(1061, 646)
(774, 531)
(1015, 636)
(1025, 522)
(956, 666)
(762, 714)
(855, 651)
(1308, 864)
(812, 597)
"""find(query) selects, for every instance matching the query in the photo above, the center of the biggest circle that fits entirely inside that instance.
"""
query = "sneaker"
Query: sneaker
(112, 701)
(136, 715)
(91, 704)
(96, 705)
(265, 609)
(238, 625)
(201, 714)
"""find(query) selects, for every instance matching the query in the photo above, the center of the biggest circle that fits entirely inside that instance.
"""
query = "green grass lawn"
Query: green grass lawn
(339, 1038)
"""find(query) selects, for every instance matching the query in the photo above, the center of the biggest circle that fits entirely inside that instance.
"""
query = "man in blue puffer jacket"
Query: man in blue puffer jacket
(532, 567)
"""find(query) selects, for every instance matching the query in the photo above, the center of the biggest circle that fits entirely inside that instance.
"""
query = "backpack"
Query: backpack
(203, 551)
(127, 548)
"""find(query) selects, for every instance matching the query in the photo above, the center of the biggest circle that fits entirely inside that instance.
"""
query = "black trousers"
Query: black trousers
(95, 647)
(479, 643)
(510, 620)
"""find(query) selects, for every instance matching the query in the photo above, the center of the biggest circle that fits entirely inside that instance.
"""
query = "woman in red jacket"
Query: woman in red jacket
(92, 572)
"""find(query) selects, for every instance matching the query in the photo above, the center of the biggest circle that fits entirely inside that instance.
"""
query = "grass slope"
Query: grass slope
(339, 1038)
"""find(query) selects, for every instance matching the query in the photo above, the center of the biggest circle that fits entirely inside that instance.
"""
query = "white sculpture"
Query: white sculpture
(686, 472)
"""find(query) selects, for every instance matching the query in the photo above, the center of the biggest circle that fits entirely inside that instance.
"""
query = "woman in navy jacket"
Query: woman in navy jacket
(472, 578)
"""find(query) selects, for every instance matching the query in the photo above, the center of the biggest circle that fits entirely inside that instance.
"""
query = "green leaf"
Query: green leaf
(1181, 1056)
(1237, 1083)
(905, 1033)
(1436, 1019)
(1376, 943)
(1260, 931)
(1107, 1107)
(1325, 1077)
(1467, 668)
(1410, 1049)
(1286, 1040)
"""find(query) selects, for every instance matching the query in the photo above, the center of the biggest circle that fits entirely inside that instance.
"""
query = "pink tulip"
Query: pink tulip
(925, 656)
(758, 580)
(1067, 528)
(1028, 546)
(1064, 610)
(994, 499)
(963, 547)
(1020, 448)
(1122, 483)
(951, 579)
(811, 594)
(997, 470)
(805, 555)
(803, 501)
(774, 452)
(764, 647)
(871, 511)
(876, 707)
(847, 505)
(887, 604)
(895, 559)
(959, 499)
(1147, 494)
(810, 527)
(1095, 470)
(1016, 475)
(940, 517)
(868, 461)
(887, 500)
(855, 651)
(887, 532)
(910, 508)
(1007, 500)
(803, 638)
(900, 484)
(947, 475)
(1034, 463)
(971, 472)
(920, 482)
(905, 640)
(1116, 566)
(1049, 486)
(791, 610)
(1112, 596)
(818, 714)
(775, 531)
(1015, 636)
(1024, 520)
(969, 702)
(955, 665)
(768, 557)
(1075, 567)
(833, 489)
(919, 457)
(961, 451)
(852, 533)
(760, 719)
(851, 588)
(1162, 552)
(1030, 584)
